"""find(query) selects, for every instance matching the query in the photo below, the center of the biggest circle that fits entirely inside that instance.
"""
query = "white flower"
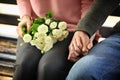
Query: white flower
(27, 38)
(61, 38)
(47, 21)
(36, 34)
(65, 34)
(48, 44)
(53, 39)
(62, 25)
(33, 42)
(47, 34)
(39, 44)
(53, 25)
(41, 36)
(43, 28)
(57, 33)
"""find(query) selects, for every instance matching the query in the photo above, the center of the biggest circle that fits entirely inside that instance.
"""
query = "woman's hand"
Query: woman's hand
(25, 20)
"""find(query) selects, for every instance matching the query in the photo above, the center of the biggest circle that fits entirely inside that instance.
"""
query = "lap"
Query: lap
(101, 62)
(58, 54)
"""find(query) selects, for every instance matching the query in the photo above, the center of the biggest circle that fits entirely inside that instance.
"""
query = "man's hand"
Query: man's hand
(78, 45)
(81, 44)
(25, 20)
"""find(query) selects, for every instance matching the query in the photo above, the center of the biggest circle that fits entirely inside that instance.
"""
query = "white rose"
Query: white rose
(27, 38)
(33, 42)
(65, 34)
(36, 34)
(47, 21)
(53, 39)
(39, 43)
(53, 25)
(61, 38)
(43, 28)
(48, 44)
(57, 33)
(41, 36)
(62, 25)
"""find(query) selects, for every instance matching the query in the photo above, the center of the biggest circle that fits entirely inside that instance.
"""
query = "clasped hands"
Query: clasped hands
(80, 45)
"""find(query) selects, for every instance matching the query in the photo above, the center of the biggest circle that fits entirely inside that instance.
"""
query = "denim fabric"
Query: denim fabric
(101, 63)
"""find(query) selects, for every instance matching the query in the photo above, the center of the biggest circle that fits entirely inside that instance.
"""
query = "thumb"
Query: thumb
(84, 44)
(90, 45)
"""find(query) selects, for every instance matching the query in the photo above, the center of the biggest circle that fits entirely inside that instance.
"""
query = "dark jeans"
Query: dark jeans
(32, 65)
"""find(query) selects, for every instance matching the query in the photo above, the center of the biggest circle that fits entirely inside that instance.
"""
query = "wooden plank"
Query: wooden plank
(8, 1)
(9, 9)
(8, 19)
(8, 31)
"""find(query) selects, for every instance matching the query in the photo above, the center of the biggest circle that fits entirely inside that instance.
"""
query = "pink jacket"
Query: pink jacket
(70, 11)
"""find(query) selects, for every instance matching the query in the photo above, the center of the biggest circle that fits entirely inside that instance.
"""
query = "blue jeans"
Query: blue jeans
(101, 63)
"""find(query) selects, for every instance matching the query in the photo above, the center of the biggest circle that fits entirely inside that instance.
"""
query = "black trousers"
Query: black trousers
(32, 65)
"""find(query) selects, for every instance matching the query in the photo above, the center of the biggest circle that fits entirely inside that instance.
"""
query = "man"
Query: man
(102, 61)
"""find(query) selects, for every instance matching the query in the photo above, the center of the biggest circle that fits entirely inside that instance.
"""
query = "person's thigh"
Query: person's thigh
(101, 63)
(27, 59)
(54, 64)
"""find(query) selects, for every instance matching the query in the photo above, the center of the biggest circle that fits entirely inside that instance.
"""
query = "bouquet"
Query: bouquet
(45, 32)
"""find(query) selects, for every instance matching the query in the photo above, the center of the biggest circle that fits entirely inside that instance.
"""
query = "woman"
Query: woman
(53, 65)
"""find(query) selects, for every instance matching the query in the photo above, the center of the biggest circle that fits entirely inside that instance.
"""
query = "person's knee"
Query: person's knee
(50, 70)
(47, 66)
(82, 70)
(83, 74)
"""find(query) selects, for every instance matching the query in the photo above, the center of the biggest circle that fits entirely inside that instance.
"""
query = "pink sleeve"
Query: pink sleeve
(85, 5)
(24, 7)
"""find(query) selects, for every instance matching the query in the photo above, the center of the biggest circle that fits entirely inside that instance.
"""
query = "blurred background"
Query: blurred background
(8, 37)
(9, 14)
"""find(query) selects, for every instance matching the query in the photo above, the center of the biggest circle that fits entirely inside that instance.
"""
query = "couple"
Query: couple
(100, 63)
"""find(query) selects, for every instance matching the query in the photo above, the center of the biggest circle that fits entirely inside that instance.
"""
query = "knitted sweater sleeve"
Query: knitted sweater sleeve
(96, 15)
(24, 7)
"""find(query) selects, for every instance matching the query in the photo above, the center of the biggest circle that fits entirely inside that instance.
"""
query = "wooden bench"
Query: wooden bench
(8, 36)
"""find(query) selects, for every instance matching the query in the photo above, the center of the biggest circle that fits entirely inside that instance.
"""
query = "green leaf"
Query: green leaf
(49, 14)
(39, 20)
(24, 30)
(33, 28)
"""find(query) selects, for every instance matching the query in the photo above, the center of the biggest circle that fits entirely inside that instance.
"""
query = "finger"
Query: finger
(84, 44)
(78, 41)
(84, 40)
(78, 46)
(74, 49)
(28, 25)
(71, 47)
(90, 45)
(19, 31)
(72, 55)
(20, 24)
(73, 58)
